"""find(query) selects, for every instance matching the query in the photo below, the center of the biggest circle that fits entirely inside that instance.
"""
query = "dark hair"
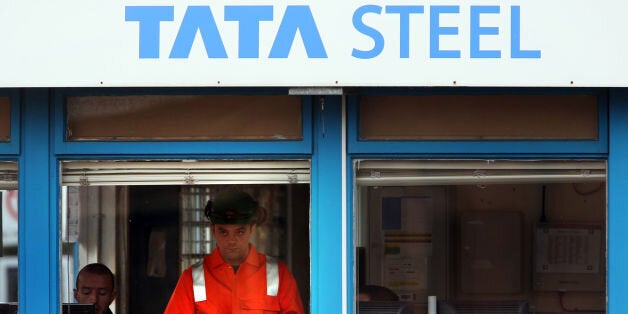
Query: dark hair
(97, 269)
(378, 293)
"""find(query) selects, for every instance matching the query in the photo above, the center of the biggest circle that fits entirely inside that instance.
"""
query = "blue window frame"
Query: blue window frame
(617, 281)
(45, 146)
(39, 127)
(547, 149)
(37, 241)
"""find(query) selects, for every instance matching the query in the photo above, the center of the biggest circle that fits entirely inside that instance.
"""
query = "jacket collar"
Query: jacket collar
(215, 260)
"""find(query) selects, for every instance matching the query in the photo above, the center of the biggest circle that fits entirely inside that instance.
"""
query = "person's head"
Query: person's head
(95, 285)
(233, 216)
(376, 293)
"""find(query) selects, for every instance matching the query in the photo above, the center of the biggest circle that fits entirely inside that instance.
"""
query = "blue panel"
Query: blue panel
(147, 148)
(478, 147)
(352, 276)
(38, 288)
(13, 146)
(618, 202)
(326, 213)
(600, 146)
(187, 148)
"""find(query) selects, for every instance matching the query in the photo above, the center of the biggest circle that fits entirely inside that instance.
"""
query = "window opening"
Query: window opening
(5, 119)
(478, 117)
(459, 236)
(8, 236)
(205, 117)
(145, 220)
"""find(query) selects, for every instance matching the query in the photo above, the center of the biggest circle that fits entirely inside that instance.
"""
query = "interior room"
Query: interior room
(148, 230)
(482, 236)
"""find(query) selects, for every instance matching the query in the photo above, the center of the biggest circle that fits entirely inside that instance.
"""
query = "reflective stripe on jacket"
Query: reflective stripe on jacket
(272, 279)
(261, 285)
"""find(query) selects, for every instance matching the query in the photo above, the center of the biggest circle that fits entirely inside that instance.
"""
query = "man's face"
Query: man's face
(233, 241)
(95, 289)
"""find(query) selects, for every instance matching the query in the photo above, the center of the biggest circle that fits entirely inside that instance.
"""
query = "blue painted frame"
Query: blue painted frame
(38, 247)
(599, 146)
(617, 279)
(139, 148)
(43, 134)
(13, 146)
(612, 118)
(326, 209)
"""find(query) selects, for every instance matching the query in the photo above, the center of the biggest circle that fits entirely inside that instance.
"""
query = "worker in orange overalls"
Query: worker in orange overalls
(235, 277)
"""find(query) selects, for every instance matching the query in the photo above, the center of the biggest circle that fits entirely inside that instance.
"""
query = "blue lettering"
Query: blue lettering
(477, 31)
(377, 37)
(515, 37)
(249, 18)
(298, 18)
(436, 30)
(198, 18)
(149, 18)
(404, 12)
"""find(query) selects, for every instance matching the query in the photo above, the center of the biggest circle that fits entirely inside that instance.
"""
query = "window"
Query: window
(473, 117)
(5, 119)
(9, 232)
(205, 117)
(479, 234)
(144, 219)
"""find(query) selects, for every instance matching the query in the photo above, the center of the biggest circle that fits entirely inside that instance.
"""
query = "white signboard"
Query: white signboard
(313, 43)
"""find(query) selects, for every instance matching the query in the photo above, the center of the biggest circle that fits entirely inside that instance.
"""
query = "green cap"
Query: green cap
(232, 208)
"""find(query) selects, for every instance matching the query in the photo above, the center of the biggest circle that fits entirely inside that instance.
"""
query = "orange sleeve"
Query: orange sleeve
(289, 296)
(182, 298)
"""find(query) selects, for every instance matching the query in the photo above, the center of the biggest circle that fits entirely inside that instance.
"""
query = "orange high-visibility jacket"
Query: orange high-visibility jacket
(242, 292)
